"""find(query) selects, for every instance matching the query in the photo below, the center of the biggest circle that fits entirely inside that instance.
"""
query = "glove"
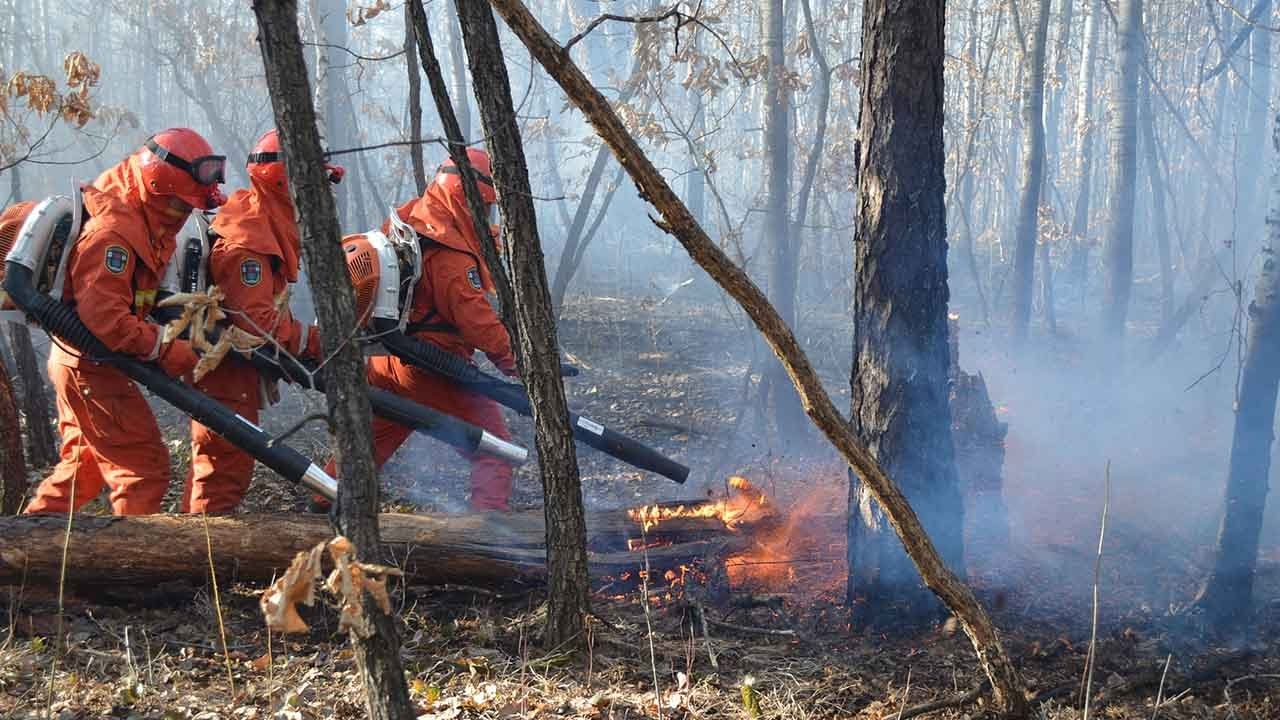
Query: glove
(506, 364)
(178, 359)
(567, 370)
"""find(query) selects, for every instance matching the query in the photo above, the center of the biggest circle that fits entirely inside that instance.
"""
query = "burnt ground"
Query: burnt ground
(683, 375)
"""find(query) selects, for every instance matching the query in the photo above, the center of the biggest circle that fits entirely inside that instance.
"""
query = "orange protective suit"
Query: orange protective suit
(109, 435)
(253, 260)
(450, 310)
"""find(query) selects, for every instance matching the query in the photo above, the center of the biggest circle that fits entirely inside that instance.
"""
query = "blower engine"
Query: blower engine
(384, 270)
(33, 279)
(56, 221)
(188, 273)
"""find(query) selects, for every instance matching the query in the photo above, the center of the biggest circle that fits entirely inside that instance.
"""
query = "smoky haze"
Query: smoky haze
(638, 309)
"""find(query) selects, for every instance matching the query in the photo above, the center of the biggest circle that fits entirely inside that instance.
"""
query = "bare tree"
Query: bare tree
(1084, 146)
(537, 349)
(1027, 228)
(378, 652)
(1123, 168)
(783, 246)
(1227, 594)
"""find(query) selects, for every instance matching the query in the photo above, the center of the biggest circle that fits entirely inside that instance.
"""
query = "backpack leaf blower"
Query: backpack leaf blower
(188, 273)
(385, 268)
(35, 239)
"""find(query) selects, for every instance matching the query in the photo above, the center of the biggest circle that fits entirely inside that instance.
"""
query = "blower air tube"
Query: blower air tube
(443, 427)
(62, 320)
(432, 359)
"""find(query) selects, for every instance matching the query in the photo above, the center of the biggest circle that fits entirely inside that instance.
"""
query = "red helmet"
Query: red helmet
(450, 180)
(179, 162)
(266, 162)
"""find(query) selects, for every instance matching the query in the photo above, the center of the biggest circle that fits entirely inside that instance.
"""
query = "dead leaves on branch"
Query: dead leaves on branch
(42, 95)
(360, 14)
(348, 582)
(201, 312)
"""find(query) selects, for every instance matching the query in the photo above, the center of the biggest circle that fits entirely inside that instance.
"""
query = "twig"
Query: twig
(1160, 691)
(963, 698)
(354, 54)
(217, 602)
(296, 427)
(648, 623)
(1097, 578)
(395, 143)
(635, 20)
(62, 575)
(905, 692)
(706, 636)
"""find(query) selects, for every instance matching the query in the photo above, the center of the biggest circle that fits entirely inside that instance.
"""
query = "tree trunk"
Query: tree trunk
(538, 350)
(783, 246)
(901, 411)
(378, 655)
(1259, 95)
(1084, 149)
(42, 445)
(415, 104)
(1227, 594)
(480, 549)
(458, 63)
(1008, 692)
(1027, 229)
(13, 471)
(1123, 169)
(1160, 224)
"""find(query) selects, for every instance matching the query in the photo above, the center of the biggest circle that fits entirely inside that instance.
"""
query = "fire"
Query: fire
(731, 511)
(803, 555)
(796, 551)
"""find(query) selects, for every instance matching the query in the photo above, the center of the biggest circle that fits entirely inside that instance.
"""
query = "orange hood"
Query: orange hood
(438, 216)
(261, 219)
(116, 201)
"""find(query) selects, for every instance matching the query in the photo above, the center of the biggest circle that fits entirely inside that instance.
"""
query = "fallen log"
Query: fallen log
(484, 550)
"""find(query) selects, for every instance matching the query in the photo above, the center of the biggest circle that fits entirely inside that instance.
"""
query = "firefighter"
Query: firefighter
(451, 309)
(109, 435)
(253, 260)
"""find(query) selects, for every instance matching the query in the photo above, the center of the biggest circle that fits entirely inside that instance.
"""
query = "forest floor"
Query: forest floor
(684, 377)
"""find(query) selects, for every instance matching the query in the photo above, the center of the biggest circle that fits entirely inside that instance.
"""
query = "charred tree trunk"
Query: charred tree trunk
(538, 349)
(1008, 691)
(1027, 229)
(42, 445)
(900, 408)
(415, 104)
(1227, 595)
(1123, 168)
(378, 655)
(13, 471)
(1084, 149)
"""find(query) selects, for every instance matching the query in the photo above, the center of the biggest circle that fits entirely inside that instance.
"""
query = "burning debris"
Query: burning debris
(746, 502)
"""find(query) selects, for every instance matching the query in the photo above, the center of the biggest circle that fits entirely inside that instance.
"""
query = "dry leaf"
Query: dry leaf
(298, 585)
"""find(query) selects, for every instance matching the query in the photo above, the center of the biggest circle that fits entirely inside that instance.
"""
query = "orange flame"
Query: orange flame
(731, 510)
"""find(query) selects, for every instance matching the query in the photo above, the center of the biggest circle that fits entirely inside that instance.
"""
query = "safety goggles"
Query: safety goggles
(479, 176)
(335, 171)
(207, 170)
